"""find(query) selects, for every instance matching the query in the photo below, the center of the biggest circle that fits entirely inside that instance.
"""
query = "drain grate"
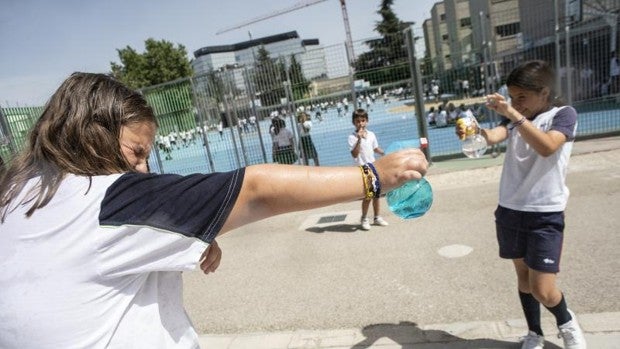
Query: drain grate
(332, 219)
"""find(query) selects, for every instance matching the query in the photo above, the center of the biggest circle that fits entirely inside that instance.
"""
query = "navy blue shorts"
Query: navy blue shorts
(536, 237)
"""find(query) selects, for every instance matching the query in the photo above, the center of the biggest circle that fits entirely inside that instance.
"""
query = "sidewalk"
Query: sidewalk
(602, 330)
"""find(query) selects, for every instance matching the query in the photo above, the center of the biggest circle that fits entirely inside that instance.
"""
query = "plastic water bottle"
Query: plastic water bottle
(411, 200)
(414, 198)
(473, 143)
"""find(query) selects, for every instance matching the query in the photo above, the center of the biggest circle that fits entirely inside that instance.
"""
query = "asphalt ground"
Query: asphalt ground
(292, 282)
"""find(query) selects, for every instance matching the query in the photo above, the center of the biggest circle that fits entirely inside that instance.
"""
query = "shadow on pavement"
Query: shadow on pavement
(409, 335)
(336, 228)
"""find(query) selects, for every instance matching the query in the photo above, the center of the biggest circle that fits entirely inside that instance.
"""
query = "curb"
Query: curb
(602, 330)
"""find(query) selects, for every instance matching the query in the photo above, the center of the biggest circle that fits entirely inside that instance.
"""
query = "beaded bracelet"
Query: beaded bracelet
(518, 123)
(375, 183)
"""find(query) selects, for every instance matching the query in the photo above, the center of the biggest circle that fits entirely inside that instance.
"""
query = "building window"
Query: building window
(508, 29)
(466, 22)
(444, 37)
(442, 17)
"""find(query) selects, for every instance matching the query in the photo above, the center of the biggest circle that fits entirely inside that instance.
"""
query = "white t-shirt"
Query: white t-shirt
(367, 147)
(283, 138)
(467, 113)
(531, 182)
(441, 119)
(304, 128)
(100, 266)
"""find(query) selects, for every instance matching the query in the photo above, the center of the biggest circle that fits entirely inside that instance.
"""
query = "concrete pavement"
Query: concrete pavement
(602, 326)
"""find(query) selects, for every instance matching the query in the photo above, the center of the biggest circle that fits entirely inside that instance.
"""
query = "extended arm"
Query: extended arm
(269, 190)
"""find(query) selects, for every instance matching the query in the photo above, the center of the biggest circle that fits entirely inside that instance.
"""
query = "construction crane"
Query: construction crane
(300, 5)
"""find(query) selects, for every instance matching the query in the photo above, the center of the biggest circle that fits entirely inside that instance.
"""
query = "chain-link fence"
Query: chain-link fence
(222, 119)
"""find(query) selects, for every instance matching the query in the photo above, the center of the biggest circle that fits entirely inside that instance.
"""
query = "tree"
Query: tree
(161, 62)
(298, 81)
(268, 78)
(388, 51)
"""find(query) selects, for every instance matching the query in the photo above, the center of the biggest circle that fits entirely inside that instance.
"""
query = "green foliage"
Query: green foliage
(387, 51)
(268, 78)
(427, 66)
(390, 24)
(298, 81)
(161, 62)
(211, 86)
(379, 76)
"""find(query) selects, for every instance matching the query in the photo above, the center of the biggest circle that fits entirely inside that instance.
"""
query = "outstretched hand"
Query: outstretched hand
(395, 169)
(272, 189)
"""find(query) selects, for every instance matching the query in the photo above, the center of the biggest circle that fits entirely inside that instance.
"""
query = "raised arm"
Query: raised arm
(545, 143)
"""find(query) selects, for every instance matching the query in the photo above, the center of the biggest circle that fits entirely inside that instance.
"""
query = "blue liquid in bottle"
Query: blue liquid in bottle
(411, 200)
(414, 198)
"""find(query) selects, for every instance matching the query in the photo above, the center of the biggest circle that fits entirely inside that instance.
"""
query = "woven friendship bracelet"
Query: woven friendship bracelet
(518, 123)
(372, 186)
(376, 184)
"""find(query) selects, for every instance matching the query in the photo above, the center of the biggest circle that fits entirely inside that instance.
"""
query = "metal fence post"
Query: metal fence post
(252, 93)
(350, 61)
(228, 110)
(200, 112)
(558, 58)
(488, 72)
(568, 70)
(416, 83)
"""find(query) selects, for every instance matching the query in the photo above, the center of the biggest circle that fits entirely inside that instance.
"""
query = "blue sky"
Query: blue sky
(43, 41)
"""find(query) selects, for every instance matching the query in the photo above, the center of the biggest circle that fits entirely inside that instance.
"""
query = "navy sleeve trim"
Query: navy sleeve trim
(195, 205)
(565, 121)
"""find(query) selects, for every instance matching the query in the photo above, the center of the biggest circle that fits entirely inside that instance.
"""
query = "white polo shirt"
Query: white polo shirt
(100, 265)
(531, 182)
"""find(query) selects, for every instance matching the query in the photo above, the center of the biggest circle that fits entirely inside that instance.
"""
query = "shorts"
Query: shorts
(307, 147)
(537, 237)
(285, 155)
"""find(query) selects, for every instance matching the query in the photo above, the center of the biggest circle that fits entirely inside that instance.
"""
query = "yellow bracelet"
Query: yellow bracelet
(367, 179)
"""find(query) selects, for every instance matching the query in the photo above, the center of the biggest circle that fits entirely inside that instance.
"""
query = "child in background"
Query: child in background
(283, 143)
(363, 145)
(308, 151)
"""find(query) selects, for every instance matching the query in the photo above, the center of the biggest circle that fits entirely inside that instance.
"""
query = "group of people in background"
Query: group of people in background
(447, 113)
(592, 81)
(284, 149)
